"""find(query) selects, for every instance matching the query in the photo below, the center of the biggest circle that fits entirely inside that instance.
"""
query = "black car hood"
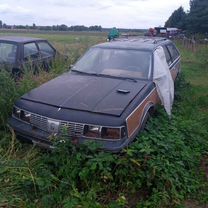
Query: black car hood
(87, 93)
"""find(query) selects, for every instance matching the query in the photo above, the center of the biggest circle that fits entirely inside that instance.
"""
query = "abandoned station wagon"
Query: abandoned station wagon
(106, 97)
(17, 53)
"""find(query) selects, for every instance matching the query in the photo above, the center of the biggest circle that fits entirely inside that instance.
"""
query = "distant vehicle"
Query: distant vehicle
(107, 97)
(114, 33)
(17, 53)
(167, 32)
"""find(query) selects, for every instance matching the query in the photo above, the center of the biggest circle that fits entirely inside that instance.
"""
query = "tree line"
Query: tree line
(193, 21)
(64, 27)
(61, 27)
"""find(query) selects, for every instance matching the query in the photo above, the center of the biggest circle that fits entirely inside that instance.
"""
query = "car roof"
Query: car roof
(136, 43)
(19, 39)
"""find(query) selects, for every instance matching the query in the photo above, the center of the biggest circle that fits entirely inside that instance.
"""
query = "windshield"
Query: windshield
(8, 52)
(116, 62)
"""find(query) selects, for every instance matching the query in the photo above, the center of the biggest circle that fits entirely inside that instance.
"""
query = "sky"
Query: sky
(140, 14)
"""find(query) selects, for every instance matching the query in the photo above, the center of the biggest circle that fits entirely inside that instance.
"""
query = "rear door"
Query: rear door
(47, 54)
(31, 57)
(175, 59)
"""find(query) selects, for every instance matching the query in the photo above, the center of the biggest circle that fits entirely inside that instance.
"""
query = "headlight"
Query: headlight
(25, 116)
(16, 112)
(92, 131)
(113, 133)
(110, 133)
(21, 114)
(104, 132)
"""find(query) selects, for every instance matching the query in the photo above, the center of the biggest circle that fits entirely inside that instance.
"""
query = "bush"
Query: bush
(159, 169)
(8, 94)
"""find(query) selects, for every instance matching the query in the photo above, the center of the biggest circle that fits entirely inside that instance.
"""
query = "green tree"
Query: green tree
(197, 19)
(34, 26)
(1, 24)
(177, 19)
(4, 25)
(63, 27)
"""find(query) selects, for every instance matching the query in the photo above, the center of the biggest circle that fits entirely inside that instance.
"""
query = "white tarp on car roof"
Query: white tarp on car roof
(163, 80)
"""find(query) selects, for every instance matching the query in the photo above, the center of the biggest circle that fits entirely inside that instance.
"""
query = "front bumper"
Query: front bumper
(26, 132)
(42, 138)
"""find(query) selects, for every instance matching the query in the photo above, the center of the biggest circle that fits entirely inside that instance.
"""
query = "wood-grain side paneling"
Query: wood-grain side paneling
(135, 118)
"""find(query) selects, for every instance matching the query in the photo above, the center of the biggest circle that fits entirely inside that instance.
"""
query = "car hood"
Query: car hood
(87, 93)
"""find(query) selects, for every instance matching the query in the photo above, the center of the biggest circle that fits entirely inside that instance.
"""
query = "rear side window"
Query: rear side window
(30, 51)
(167, 55)
(173, 51)
(45, 48)
(8, 52)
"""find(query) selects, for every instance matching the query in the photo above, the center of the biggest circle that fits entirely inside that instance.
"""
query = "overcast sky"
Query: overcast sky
(107, 13)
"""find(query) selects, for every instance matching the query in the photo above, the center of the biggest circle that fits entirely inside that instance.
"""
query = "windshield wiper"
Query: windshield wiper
(105, 75)
(124, 78)
(87, 73)
(82, 72)
(128, 78)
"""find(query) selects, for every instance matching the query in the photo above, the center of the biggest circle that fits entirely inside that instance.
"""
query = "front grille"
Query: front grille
(39, 122)
(69, 128)
(73, 129)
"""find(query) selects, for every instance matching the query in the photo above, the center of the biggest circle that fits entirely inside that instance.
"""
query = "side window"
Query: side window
(8, 52)
(173, 51)
(167, 55)
(30, 51)
(46, 49)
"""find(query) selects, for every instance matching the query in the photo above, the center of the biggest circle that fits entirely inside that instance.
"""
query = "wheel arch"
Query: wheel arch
(149, 108)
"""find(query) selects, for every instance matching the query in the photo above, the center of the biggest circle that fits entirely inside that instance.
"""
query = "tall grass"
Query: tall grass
(160, 169)
(11, 89)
